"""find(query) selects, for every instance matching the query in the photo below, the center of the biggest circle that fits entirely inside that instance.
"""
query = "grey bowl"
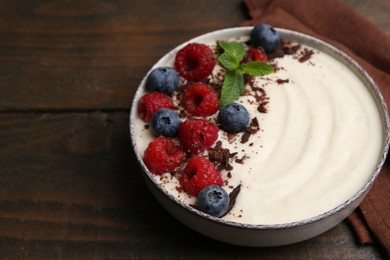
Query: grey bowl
(275, 234)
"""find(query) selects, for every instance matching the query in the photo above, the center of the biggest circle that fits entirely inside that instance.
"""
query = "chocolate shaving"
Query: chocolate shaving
(215, 156)
(288, 50)
(245, 137)
(231, 136)
(220, 167)
(179, 189)
(226, 157)
(281, 81)
(240, 161)
(306, 55)
(295, 48)
(218, 145)
(232, 198)
(182, 113)
(233, 154)
(278, 53)
(252, 129)
(285, 48)
(262, 107)
(228, 167)
(220, 157)
(182, 87)
(255, 123)
(261, 98)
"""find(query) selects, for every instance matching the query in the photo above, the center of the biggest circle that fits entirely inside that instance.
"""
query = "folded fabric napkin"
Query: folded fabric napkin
(335, 23)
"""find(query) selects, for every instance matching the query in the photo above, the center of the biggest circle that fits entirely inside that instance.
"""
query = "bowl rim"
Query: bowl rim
(315, 43)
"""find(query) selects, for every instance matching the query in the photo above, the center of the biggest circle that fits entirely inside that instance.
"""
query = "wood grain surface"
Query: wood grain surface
(70, 187)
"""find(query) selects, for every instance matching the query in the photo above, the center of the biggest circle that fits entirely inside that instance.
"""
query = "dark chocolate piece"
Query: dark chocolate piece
(232, 198)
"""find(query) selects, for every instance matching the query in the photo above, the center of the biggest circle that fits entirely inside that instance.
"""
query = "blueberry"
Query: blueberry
(264, 35)
(233, 118)
(213, 200)
(165, 122)
(163, 79)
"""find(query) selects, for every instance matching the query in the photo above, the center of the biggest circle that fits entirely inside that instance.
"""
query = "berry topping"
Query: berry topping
(264, 35)
(151, 102)
(213, 200)
(165, 122)
(200, 99)
(163, 155)
(197, 135)
(163, 79)
(233, 118)
(255, 54)
(195, 61)
(199, 173)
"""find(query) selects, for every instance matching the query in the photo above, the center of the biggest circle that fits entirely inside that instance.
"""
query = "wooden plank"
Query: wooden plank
(63, 55)
(70, 188)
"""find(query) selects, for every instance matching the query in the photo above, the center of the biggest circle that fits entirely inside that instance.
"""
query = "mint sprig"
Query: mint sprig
(232, 88)
(233, 84)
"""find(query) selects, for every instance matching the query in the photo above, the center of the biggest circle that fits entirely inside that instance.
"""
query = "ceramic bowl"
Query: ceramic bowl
(275, 234)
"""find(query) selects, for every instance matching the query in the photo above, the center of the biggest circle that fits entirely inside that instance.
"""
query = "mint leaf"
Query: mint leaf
(232, 88)
(256, 68)
(235, 50)
(231, 58)
(229, 62)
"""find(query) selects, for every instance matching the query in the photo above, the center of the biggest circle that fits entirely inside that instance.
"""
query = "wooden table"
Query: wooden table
(69, 182)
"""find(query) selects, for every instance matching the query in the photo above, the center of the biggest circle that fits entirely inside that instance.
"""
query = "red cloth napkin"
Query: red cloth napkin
(336, 24)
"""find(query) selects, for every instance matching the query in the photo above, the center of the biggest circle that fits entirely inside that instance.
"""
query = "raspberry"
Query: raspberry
(151, 102)
(200, 99)
(163, 155)
(255, 54)
(195, 61)
(199, 173)
(197, 135)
